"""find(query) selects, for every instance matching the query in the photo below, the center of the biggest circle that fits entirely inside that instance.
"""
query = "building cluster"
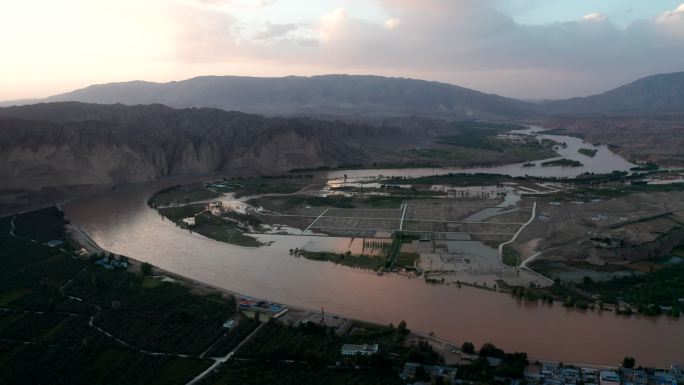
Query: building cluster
(111, 263)
(437, 374)
(555, 374)
(261, 306)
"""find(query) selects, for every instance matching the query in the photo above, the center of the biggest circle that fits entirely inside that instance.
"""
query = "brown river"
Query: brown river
(121, 222)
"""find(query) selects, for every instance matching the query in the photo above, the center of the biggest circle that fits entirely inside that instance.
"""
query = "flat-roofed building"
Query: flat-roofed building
(364, 350)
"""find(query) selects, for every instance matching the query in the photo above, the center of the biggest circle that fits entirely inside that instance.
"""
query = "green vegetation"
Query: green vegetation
(308, 342)
(393, 254)
(223, 230)
(259, 373)
(146, 270)
(284, 203)
(468, 348)
(453, 179)
(165, 318)
(248, 186)
(178, 213)
(511, 256)
(586, 194)
(331, 200)
(230, 340)
(178, 195)
(562, 131)
(45, 336)
(512, 366)
(317, 344)
(477, 135)
(209, 225)
(628, 362)
(647, 292)
(361, 261)
(407, 259)
(678, 251)
(41, 225)
(531, 294)
(441, 153)
(385, 201)
(483, 136)
(590, 152)
(562, 163)
(479, 125)
(388, 255)
(646, 167)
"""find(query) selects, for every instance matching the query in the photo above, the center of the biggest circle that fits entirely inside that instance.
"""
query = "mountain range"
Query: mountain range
(372, 97)
(654, 95)
(323, 96)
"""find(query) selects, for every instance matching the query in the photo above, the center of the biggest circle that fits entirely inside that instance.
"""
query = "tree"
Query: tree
(146, 269)
(468, 348)
(401, 328)
(569, 301)
(489, 350)
(628, 362)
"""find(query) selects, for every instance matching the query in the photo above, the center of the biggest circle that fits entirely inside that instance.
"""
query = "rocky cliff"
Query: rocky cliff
(49, 151)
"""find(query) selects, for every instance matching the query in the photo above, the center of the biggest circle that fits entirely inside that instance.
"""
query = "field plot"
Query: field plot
(518, 216)
(354, 225)
(427, 217)
(365, 213)
(608, 229)
(297, 221)
(438, 211)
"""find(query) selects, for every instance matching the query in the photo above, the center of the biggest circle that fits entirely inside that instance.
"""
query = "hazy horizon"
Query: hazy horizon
(524, 49)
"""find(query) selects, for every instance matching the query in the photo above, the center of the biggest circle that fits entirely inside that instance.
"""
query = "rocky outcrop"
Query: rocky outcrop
(87, 147)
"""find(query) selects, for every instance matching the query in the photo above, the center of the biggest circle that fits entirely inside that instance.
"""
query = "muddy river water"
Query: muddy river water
(121, 222)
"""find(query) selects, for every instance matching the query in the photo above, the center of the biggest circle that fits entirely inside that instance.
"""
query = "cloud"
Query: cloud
(467, 42)
(218, 4)
(594, 17)
(332, 25)
(472, 44)
(273, 31)
(204, 35)
(673, 21)
(392, 23)
(676, 13)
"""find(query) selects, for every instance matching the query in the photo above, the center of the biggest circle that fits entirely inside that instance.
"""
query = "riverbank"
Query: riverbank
(123, 223)
(206, 287)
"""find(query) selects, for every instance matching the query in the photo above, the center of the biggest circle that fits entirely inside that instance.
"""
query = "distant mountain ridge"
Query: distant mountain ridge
(363, 97)
(653, 95)
(328, 95)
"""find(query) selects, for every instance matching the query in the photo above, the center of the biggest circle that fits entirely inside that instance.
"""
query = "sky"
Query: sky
(528, 49)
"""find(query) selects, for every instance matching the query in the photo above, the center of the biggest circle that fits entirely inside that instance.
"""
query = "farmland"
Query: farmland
(56, 307)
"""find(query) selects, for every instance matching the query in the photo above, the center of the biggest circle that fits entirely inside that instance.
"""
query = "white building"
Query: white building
(364, 350)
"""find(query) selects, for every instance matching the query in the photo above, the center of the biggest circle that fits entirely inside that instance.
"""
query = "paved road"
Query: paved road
(220, 360)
